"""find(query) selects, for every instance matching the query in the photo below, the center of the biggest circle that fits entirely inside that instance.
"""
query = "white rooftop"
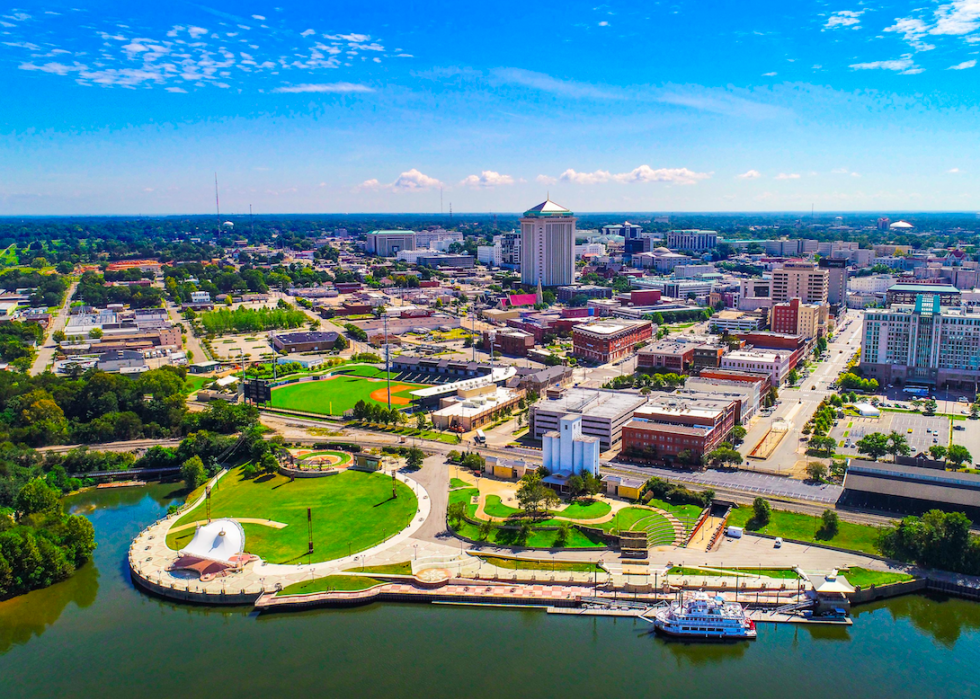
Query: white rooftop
(222, 540)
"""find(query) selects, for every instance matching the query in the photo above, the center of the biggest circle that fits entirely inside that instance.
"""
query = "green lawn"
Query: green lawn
(352, 511)
(404, 568)
(557, 566)
(338, 583)
(862, 577)
(688, 514)
(464, 495)
(196, 383)
(459, 483)
(585, 510)
(496, 508)
(775, 573)
(792, 525)
(577, 510)
(537, 539)
(336, 395)
(342, 455)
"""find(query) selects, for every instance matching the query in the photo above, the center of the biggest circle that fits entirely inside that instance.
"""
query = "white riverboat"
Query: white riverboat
(699, 616)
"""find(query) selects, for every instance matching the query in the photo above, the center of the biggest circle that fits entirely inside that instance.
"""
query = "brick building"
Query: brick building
(609, 341)
(667, 426)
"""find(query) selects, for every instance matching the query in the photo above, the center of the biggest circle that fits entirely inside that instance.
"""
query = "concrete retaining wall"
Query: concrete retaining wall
(185, 595)
(877, 592)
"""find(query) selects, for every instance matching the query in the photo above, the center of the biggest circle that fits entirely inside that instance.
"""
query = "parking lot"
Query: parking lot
(921, 431)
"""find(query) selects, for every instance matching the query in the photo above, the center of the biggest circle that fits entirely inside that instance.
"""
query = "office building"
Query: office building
(626, 229)
(908, 293)
(389, 243)
(490, 255)
(754, 293)
(547, 245)
(836, 280)
(737, 321)
(694, 240)
(802, 280)
(672, 424)
(609, 340)
(775, 364)
(797, 318)
(603, 412)
(923, 343)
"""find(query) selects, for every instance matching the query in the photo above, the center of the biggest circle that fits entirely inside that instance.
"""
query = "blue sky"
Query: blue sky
(377, 107)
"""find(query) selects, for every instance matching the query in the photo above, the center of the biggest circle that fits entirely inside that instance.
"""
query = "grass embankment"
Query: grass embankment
(510, 537)
(862, 577)
(775, 573)
(352, 511)
(404, 568)
(332, 583)
(557, 566)
(658, 528)
(793, 525)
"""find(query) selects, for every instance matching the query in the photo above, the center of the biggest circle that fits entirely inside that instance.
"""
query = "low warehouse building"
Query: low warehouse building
(897, 488)
(305, 342)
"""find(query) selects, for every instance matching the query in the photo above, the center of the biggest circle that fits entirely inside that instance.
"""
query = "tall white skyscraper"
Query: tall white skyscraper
(548, 245)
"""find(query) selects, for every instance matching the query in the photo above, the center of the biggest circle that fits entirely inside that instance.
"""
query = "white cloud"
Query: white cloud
(844, 18)
(844, 171)
(176, 89)
(603, 24)
(963, 66)
(750, 175)
(196, 31)
(904, 65)
(545, 179)
(957, 18)
(644, 173)
(953, 171)
(410, 181)
(258, 17)
(308, 32)
(770, 75)
(487, 179)
(690, 96)
(414, 180)
(325, 87)
(785, 176)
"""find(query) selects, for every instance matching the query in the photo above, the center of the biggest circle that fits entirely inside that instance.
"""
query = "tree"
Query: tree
(455, 512)
(793, 377)
(414, 458)
(737, 435)
(957, 454)
(937, 452)
(725, 456)
(816, 471)
(36, 497)
(830, 524)
(593, 484)
(486, 529)
(268, 463)
(823, 444)
(564, 531)
(874, 445)
(473, 461)
(576, 485)
(79, 539)
(58, 336)
(898, 445)
(930, 407)
(95, 333)
(340, 343)
(420, 421)
(761, 511)
(771, 397)
(454, 456)
(192, 471)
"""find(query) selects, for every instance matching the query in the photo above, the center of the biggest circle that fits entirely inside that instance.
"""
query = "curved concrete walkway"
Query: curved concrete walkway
(240, 520)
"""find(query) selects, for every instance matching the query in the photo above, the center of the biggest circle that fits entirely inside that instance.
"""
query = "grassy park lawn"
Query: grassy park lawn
(332, 583)
(862, 577)
(539, 538)
(465, 495)
(339, 394)
(577, 510)
(459, 483)
(404, 568)
(196, 383)
(352, 511)
(792, 525)
(557, 566)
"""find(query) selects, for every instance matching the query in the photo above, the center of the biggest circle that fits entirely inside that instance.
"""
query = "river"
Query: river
(97, 636)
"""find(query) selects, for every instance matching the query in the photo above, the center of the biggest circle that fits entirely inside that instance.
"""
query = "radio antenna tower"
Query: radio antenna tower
(217, 204)
(440, 201)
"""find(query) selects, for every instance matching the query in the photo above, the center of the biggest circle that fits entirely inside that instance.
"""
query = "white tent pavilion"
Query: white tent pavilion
(216, 548)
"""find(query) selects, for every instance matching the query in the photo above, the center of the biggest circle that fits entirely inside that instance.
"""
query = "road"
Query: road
(45, 353)
(797, 405)
(192, 345)
(130, 445)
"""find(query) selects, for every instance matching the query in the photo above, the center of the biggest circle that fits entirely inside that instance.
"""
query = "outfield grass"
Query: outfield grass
(335, 583)
(352, 511)
(336, 395)
(557, 566)
(792, 525)
(862, 577)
